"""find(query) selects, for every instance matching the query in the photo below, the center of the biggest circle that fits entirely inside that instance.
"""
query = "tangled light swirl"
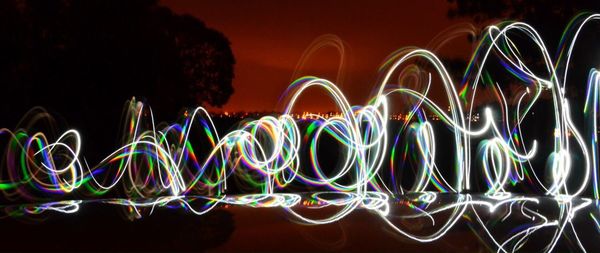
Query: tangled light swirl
(276, 161)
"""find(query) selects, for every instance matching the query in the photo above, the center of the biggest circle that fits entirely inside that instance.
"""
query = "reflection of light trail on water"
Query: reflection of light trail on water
(264, 156)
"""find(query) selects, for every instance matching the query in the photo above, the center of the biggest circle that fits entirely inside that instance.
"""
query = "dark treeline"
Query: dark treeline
(82, 60)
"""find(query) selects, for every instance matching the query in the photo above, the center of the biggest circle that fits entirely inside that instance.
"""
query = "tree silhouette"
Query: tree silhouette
(549, 18)
(82, 59)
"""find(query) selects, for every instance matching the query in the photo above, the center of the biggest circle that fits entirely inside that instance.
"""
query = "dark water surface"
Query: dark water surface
(108, 225)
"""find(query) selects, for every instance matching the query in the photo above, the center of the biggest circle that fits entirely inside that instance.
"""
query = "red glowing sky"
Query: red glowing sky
(269, 37)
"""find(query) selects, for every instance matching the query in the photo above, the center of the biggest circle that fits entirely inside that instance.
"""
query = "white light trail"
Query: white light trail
(268, 155)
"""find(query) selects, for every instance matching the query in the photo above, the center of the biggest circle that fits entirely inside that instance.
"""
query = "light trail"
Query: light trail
(265, 157)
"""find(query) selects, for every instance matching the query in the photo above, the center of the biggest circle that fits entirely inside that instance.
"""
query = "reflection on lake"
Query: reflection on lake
(347, 222)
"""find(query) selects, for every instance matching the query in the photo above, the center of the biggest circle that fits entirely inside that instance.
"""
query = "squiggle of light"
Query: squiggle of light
(265, 156)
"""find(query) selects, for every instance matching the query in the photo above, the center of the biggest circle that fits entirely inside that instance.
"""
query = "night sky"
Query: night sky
(141, 177)
(268, 39)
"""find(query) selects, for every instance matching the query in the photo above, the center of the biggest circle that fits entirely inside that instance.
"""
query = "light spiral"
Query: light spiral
(268, 161)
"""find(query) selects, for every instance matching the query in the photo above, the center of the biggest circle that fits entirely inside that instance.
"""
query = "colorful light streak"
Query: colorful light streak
(264, 156)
